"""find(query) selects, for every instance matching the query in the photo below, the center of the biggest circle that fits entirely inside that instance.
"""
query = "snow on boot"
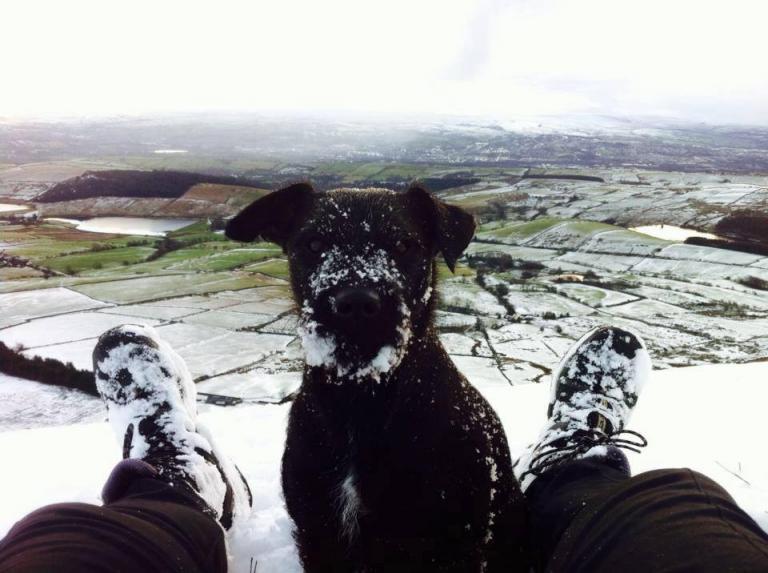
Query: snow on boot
(594, 390)
(151, 405)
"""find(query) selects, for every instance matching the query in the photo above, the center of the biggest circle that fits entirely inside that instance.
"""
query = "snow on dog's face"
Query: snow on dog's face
(362, 268)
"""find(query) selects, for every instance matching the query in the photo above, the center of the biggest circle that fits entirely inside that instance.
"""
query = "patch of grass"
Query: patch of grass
(17, 273)
(475, 204)
(518, 229)
(77, 263)
(589, 227)
(277, 268)
(48, 240)
(198, 232)
(235, 196)
(722, 308)
(383, 172)
(225, 260)
(753, 282)
(443, 272)
(192, 162)
(133, 290)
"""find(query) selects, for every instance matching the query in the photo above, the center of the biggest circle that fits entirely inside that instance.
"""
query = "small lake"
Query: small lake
(128, 225)
(8, 208)
(671, 233)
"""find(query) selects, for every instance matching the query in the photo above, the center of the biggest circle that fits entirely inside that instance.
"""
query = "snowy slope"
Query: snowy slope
(710, 418)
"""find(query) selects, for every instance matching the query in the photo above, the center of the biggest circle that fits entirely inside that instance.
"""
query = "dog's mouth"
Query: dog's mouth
(354, 356)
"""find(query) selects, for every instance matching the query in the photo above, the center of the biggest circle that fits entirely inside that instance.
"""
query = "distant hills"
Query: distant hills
(235, 144)
(117, 192)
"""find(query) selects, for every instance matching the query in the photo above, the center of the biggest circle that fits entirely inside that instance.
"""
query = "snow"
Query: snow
(58, 329)
(211, 351)
(78, 352)
(540, 303)
(594, 296)
(153, 311)
(231, 320)
(456, 343)
(134, 290)
(471, 297)
(26, 404)
(687, 415)
(320, 349)
(347, 267)
(19, 307)
(257, 384)
(671, 233)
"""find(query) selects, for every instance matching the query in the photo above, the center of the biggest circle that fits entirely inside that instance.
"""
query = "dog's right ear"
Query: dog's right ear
(273, 217)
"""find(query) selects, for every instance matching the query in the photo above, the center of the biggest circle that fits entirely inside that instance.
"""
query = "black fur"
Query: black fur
(419, 448)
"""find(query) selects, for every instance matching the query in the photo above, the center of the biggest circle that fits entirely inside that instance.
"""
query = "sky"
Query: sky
(700, 60)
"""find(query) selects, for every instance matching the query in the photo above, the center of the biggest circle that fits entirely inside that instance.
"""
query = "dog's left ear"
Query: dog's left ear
(452, 227)
(273, 217)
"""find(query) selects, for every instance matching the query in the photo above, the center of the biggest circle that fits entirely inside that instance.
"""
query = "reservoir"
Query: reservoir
(8, 208)
(128, 225)
(671, 233)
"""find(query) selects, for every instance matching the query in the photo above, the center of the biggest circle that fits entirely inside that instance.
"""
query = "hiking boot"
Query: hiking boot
(151, 405)
(594, 390)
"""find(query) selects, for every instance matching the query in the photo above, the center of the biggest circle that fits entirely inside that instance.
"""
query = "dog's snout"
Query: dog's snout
(357, 303)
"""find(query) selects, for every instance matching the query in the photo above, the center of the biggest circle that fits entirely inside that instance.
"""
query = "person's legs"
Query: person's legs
(152, 527)
(166, 503)
(588, 514)
(589, 517)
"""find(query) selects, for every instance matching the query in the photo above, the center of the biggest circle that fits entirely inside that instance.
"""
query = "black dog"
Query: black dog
(393, 462)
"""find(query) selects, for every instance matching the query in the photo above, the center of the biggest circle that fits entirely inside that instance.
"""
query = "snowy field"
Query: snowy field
(709, 418)
(632, 199)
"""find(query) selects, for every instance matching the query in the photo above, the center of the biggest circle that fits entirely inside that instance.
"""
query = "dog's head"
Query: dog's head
(362, 267)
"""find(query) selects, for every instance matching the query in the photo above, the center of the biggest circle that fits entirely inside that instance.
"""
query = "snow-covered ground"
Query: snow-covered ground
(709, 418)
(26, 404)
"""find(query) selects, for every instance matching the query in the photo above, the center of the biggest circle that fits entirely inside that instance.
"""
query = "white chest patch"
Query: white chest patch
(349, 507)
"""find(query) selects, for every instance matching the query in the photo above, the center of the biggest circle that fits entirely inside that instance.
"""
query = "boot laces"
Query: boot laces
(580, 443)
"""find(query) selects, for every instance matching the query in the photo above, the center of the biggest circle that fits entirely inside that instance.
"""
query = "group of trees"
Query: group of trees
(745, 225)
(45, 370)
(14, 261)
(132, 183)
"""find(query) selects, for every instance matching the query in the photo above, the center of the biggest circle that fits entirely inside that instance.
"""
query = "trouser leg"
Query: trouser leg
(151, 527)
(590, 516)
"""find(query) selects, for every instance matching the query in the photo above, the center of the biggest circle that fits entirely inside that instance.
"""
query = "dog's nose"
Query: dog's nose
(357, 303)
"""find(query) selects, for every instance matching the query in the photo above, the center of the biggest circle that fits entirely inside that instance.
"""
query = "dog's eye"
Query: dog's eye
(315, 246)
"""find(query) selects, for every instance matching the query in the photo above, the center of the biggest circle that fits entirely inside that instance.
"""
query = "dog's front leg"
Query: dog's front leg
(314, 469)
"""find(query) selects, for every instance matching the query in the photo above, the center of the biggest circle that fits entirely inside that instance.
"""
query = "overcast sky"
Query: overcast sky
(705, 60)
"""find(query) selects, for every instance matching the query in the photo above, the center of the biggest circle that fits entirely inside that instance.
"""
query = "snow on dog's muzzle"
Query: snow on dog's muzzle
(356, 323)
